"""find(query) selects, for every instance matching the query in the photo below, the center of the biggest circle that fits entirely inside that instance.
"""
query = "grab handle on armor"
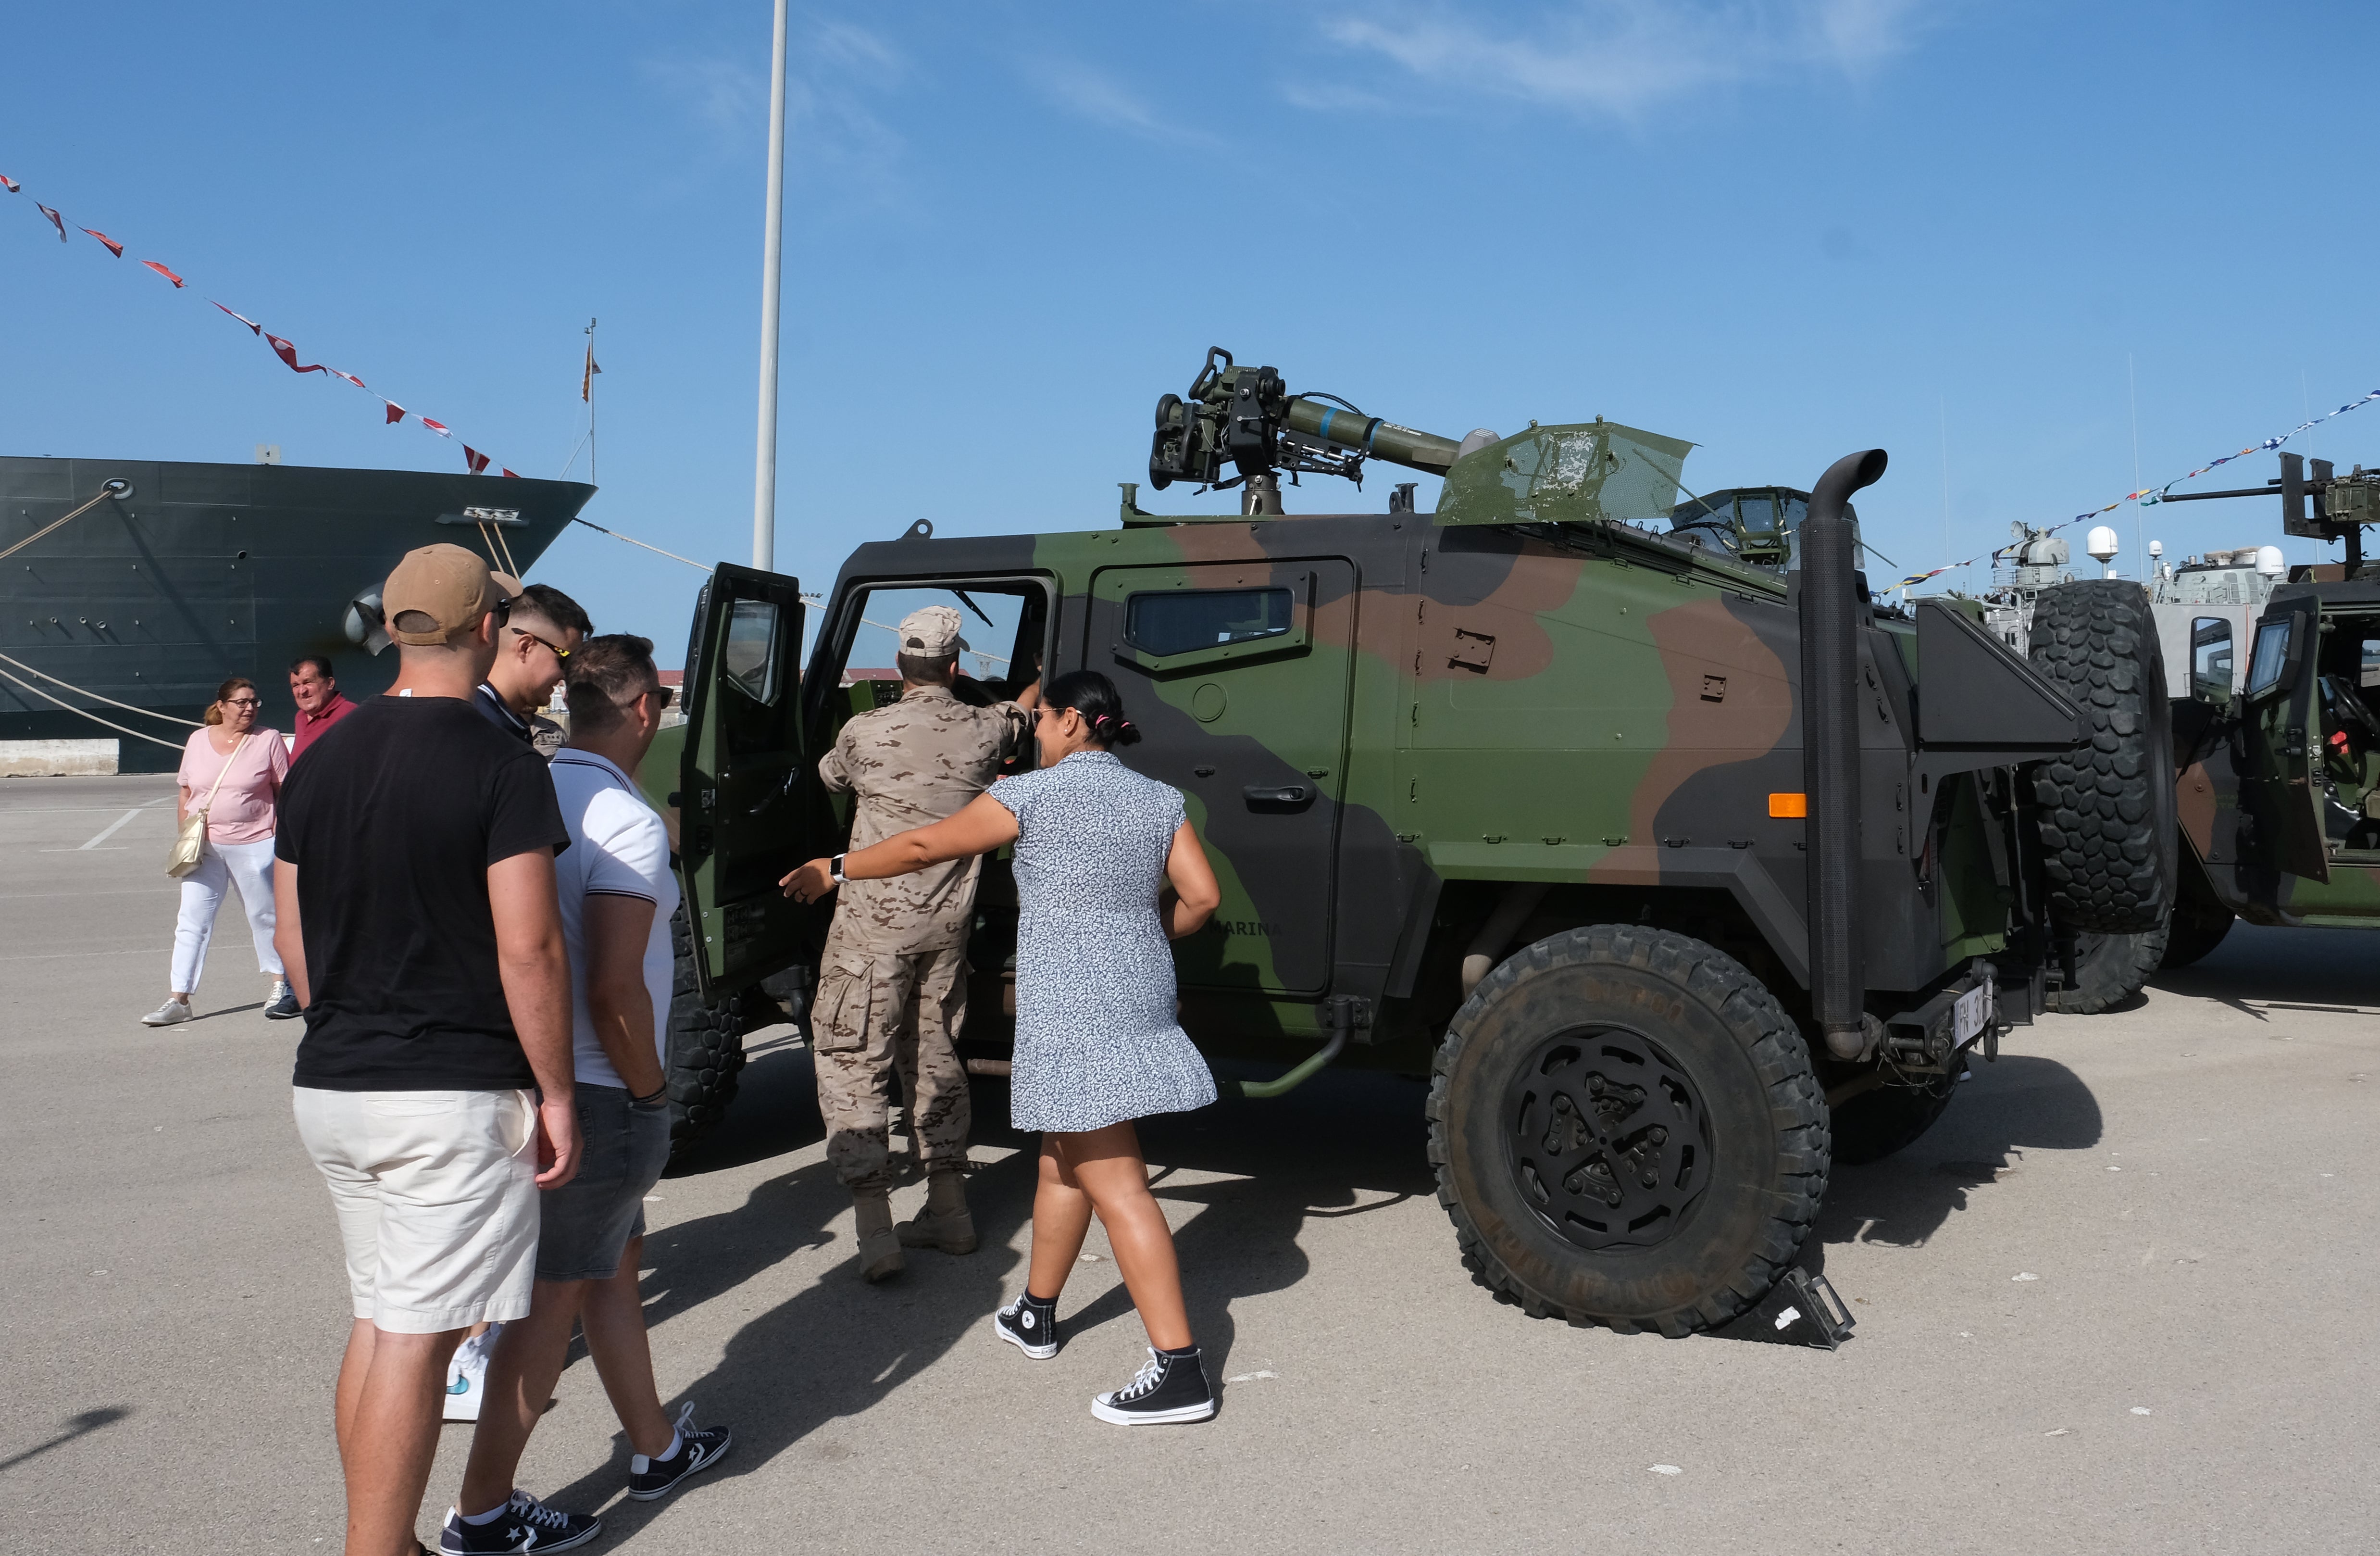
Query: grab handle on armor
(1279, 794)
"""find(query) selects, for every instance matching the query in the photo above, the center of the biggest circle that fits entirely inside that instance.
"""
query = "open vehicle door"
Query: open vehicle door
(2279, 719)
(746, 794)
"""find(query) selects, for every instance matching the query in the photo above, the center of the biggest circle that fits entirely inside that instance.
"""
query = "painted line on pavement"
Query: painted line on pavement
(124, 820)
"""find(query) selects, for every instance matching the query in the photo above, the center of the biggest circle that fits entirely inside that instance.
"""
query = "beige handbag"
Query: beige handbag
(191, 842)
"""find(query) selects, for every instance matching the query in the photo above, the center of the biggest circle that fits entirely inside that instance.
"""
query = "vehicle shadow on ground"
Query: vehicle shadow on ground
(1343, 1144)
(2021, 1103)
(2333, 971)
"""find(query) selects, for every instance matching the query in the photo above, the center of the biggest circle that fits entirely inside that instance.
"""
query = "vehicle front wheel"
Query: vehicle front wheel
(2108, 969)
(1627, 1130)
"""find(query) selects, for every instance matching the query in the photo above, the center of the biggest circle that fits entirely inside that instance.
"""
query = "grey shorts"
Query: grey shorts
(587, 1221)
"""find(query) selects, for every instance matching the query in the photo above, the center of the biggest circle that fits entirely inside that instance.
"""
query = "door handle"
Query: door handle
(1278, 793)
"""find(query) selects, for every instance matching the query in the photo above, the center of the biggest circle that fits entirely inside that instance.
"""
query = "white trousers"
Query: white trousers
(248, 866)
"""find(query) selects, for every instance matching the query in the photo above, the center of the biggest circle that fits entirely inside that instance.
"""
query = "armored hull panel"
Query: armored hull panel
(201, 572)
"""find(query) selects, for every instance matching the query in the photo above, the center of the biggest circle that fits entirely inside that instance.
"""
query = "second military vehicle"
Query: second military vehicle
(1683, 875)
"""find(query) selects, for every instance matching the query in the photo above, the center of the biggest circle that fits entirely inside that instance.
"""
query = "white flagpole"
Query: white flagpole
(764, 480)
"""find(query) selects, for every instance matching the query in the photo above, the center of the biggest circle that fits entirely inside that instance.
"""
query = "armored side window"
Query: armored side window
(750, 651)
(2271, 654)
(1177, 621)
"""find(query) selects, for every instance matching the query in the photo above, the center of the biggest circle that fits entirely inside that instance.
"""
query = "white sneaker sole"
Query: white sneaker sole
(1110, 1413)
(164, 1020)
(1038, 1353)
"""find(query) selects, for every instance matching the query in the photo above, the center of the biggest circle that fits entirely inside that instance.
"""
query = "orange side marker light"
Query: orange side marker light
(1789, 806)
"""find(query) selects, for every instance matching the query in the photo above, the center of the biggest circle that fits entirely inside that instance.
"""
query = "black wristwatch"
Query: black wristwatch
(834, 867)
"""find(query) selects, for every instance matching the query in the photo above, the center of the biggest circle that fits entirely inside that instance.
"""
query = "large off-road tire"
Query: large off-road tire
(705, 1050)
(1885, 1119)
(2200, 920)
(2108, 969)
(2108, 805)
(1626, 1130)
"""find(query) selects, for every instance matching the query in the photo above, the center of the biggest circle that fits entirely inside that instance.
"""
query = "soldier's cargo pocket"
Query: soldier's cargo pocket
(839, 1016)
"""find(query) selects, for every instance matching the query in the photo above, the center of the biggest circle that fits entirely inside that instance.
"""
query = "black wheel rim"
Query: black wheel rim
(1609, 1138)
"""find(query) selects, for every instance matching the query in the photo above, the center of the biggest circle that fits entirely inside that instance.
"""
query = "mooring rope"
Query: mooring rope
(88, 713)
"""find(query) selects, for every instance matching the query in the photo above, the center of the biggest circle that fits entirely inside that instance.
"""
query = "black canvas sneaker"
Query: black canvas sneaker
(526, 1525)
(1030, 1326)
(696, 1450)
(284, 1005)
(1166, 1391)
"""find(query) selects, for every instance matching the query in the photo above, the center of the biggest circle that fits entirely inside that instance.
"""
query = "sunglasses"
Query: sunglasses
(667, 694)
(555, 649)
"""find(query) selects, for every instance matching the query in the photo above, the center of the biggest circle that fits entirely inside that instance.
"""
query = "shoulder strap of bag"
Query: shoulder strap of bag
(220, 776)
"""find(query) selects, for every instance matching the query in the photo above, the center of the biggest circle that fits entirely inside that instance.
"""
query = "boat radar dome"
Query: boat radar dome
(2157, 549)
(2269, 562)
(2101, 544)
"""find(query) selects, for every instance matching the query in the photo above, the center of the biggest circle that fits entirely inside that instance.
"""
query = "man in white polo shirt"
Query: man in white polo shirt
(617, 895)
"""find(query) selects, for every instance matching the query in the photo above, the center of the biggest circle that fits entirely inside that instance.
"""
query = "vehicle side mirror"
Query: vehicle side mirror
(2211, 663)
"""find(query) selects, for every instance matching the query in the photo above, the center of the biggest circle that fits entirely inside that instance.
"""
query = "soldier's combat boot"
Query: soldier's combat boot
(944, 1223)
(880, 1249)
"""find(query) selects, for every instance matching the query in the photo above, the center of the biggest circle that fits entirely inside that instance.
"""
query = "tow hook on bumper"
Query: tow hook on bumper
(1961, 1014)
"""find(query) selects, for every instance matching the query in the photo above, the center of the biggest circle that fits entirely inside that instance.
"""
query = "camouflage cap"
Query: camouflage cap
(931, 632)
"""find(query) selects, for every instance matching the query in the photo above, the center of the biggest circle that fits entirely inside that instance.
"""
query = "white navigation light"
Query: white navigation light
(2101, 544)
(2270, 563)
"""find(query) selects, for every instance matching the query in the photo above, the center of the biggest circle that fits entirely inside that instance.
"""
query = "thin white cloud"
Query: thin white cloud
(832, 69)
(1623, 57)
(1090, 93)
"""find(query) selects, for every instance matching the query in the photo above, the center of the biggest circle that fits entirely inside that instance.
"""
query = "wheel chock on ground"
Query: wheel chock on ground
(1804, 1310)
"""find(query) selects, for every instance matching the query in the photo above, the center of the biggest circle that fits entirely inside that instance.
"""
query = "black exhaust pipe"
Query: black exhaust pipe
(1831, 617)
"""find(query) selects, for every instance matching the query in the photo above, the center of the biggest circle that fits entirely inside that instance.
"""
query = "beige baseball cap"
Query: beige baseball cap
(445, 589)
(931, 632)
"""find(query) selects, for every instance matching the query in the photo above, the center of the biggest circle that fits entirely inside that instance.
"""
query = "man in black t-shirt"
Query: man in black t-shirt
(415, 889)
(543, 628)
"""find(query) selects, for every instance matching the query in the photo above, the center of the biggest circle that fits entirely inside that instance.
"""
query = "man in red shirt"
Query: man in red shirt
(316, 692)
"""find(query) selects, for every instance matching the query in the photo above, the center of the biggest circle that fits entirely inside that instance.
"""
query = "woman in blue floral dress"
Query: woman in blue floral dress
(1097, 1042)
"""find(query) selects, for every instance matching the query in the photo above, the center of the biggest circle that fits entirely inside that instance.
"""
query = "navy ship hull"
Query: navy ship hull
(196, 573)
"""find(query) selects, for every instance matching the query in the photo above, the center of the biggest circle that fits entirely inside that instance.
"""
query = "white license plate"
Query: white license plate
(1969, 1016)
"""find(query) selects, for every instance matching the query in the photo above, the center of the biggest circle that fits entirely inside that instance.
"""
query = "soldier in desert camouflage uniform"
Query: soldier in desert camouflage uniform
(892, 983)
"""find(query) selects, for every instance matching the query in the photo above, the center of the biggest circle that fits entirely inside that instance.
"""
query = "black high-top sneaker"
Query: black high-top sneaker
(1171, 1388)
(1031, 1325)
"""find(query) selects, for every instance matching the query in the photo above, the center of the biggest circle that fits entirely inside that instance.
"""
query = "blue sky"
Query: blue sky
(1981, 236)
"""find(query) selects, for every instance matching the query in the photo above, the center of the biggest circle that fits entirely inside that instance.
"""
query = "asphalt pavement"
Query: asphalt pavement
(2119, 1300)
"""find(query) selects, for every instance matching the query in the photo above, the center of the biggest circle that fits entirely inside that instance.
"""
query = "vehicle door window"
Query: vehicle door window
(748, 657)
(2270, 656)
(1177, 621)
(2210, 659)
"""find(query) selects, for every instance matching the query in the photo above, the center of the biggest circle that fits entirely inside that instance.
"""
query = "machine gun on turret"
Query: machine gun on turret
(1247, 419)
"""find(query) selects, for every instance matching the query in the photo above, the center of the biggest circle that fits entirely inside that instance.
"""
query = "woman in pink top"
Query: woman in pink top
(238, 852)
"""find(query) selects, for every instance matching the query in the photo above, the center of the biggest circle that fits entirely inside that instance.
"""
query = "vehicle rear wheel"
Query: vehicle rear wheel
(1627, 1130)
(2108, 805)
(2108, 969)
(705, 1052)
(1885, 1119)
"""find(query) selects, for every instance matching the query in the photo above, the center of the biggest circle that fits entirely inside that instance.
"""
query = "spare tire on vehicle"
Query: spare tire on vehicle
(1627, 1130)
(704, 1054)
(2108, 805)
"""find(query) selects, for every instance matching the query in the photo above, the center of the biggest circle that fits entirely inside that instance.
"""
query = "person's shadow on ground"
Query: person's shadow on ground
(1342, 1145)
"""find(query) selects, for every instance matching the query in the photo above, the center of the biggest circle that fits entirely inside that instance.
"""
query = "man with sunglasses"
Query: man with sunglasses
(892, 981)
(543, 628)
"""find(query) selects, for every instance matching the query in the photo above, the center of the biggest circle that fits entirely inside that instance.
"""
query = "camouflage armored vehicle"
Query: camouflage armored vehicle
(1683, 877)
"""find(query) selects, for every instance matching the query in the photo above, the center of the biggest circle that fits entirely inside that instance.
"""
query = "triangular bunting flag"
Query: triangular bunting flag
(395, 412)
(438, 426)
(56, 220)
(348, 376)
(473, 457)
(10, 185)
(251, 323)
(289, 354)
(113, 246)
(163, 272)
(515, 474)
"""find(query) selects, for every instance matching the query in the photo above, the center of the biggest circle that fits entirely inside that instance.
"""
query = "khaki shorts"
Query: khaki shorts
(436, 1193)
